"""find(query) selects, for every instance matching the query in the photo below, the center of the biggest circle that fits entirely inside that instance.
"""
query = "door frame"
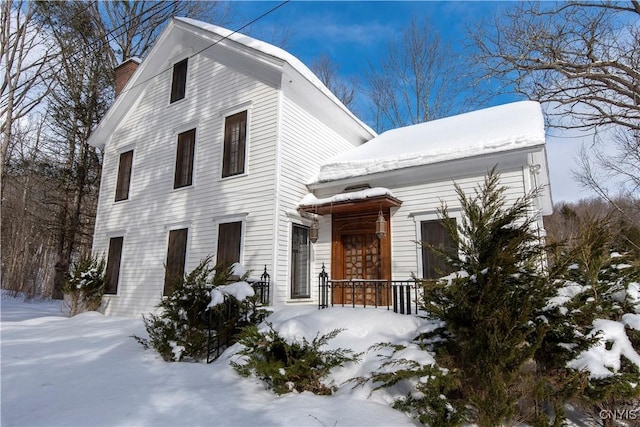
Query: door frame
(359, 223)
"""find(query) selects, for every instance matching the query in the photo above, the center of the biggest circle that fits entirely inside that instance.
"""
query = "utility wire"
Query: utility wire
(102, 42)
(273, 9)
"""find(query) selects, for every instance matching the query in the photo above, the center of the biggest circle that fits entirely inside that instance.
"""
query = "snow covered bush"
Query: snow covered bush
(85, 285)
(596, 313)
(198, 301)
(427, 401)
(290, 366)
(522, 337)
(491, 306)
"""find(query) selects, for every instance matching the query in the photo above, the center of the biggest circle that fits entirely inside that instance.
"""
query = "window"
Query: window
(235, 138)
(300, 262)
(435, 234)
(184, 159)
(176, 256)
(179, 81)
(229, 237)
(112, 273)
(124, 176)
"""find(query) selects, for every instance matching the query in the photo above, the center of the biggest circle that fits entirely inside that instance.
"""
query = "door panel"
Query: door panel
(360, 260)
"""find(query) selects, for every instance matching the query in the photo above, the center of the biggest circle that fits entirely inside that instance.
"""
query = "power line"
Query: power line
(273, 9)
(103, 42)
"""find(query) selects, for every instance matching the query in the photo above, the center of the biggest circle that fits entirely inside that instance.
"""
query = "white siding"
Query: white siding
(154, 207)
(420, 201)
(305, 143)
(424, 200)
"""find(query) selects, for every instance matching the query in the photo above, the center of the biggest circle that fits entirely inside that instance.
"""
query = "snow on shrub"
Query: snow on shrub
(603, 360)
(238, 290)
(594, 316)
(290, 366)
(85, 285)
(201, 305)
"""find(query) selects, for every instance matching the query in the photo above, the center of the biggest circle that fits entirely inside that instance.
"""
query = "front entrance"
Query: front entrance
(361, 262)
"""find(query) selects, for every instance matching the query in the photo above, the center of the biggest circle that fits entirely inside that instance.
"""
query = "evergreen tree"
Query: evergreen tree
(520, 331)
(492, 305)
(598, 277)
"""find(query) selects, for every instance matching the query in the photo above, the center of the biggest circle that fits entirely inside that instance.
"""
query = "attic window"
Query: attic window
(179, 81)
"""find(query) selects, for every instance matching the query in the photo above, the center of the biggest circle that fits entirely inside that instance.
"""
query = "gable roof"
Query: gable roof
(492, 130)
(276, 57)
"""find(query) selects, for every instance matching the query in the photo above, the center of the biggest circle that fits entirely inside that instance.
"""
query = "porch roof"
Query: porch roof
(350, 201)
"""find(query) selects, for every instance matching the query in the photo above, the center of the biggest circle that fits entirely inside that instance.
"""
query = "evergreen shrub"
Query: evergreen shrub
(598, 277)
(85, 285)
(517, 323)
(180, 331)
(428, 401)
(290, 366)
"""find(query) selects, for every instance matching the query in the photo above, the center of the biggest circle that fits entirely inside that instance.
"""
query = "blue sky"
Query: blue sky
(354, 33)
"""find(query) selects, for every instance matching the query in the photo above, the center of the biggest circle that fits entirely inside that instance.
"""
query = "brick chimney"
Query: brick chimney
(124, 71)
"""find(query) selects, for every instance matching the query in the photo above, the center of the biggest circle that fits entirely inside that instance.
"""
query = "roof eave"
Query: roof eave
(411, 170)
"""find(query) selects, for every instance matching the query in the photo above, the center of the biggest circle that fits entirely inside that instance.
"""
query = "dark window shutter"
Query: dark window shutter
(176, 256)
(235, 137)
(435, 234)
(124, 176)
(112, 272)
(179, 81)
(300, 262)
(184, 159)
(229, 238)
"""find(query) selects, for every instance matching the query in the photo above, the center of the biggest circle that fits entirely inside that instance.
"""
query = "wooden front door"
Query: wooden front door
(360, 260)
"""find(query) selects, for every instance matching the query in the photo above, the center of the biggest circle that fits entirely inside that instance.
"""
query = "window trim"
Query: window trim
(118, 175)
(177, 152)
(292, 266)
(245, 166)
(173, 101)
(119, 264)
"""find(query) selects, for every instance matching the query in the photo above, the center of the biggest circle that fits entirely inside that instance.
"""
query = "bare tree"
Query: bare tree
(26, 58)
(81, 98)
(54, 175)
(563, 226)
(28, 256)
(133, 26)
(93, 37)
(419, 79)
(582, 58)
(327, 72)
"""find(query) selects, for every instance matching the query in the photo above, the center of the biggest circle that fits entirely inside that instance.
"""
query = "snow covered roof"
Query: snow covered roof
(276, 52)
(503, 128)
(311, 200)
(341, 201)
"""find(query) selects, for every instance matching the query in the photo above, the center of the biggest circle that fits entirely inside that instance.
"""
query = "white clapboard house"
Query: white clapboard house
(219, 144)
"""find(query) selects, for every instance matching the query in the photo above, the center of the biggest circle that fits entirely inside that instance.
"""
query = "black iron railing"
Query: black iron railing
(226, 320)
(401, 296)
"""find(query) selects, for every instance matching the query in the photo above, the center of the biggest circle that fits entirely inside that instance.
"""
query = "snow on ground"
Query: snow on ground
(88, 371)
